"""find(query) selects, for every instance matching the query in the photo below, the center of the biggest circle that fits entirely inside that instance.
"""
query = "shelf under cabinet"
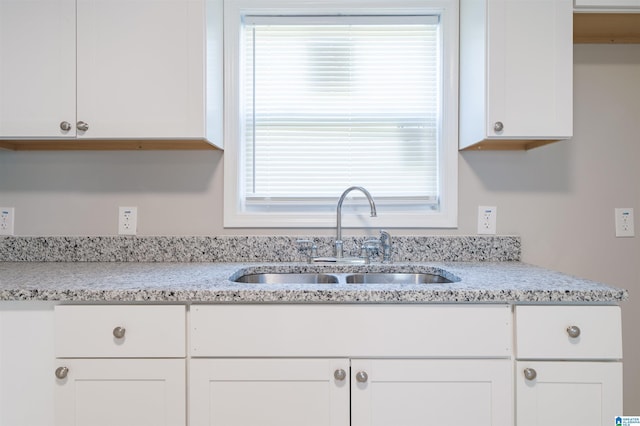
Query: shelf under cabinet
(104, 145)
(606, 28)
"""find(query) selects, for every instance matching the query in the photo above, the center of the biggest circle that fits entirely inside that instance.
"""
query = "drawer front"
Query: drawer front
(542, 332)
(351, 330)
(120, 331)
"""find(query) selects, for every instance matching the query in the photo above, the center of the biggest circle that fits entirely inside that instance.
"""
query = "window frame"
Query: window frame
(355, 214)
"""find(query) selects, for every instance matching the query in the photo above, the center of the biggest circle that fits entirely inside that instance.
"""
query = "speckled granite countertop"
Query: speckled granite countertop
(477, 282)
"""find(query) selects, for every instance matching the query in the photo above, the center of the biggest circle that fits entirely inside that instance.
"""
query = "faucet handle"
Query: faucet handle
(308, 247)
(387, 248)
(370, 248)
(373, 242)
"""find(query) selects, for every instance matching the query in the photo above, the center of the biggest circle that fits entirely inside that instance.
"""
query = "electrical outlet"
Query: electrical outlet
(128, 221)
(7, 217)
(624, 222)
(487, 220)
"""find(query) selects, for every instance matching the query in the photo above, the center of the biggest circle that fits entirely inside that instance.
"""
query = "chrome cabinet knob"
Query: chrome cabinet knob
(362, 376)
(340, 374)
(530, 373)
(65, 126)
(573, 331)
(119, 332)
(82, 126)
(498, 126)
(61, 372)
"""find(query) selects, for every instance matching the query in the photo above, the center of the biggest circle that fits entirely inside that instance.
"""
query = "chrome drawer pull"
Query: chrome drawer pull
(573, 331)
(61, 372)
(119, 332)
(530, 374)
(362, 376)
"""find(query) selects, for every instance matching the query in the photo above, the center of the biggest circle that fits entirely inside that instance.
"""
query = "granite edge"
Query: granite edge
(246, 248)
(318, 296)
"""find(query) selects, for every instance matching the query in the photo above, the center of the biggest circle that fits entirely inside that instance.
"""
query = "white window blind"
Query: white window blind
(330, 102)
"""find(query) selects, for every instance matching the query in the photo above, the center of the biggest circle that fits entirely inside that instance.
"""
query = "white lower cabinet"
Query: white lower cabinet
(568, 393)
(120, 365)
(123, 392)
(345, 365)
(326, 392)
(358, 365)
(569, 369)
(412, 392)
(269, 392)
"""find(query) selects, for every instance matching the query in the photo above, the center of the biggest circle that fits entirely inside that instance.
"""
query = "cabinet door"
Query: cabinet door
(37, 68)
(123, 392)
(141, 68)
(269, 392)
(568, 393)
(26, 363)
(431, 392)
(530, 62)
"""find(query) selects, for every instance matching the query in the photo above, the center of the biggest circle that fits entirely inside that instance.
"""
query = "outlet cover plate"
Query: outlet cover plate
(624, 222)
(127, 220)
(487, 220)
(7, 217)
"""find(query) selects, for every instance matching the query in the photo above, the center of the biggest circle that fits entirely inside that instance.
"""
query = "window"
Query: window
(323, 97)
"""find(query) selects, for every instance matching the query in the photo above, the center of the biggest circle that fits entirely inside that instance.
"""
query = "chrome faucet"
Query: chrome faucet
(339, 248)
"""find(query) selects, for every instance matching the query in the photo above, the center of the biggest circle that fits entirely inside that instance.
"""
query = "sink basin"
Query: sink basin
(401, 278)
(288, 278)
(342, 278)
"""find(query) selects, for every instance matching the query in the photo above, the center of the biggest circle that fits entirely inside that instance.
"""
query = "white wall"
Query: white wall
(559, 198)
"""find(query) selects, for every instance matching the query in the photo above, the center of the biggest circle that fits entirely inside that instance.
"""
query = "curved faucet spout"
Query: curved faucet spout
(372, 204)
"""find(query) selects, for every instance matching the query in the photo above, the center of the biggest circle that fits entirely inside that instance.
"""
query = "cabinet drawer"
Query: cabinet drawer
(149, 331)
(351, 330)
(542, 332)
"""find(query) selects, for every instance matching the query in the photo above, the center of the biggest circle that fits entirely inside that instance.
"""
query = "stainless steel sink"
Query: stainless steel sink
(288, 278)
(342, 278)
(400, 278)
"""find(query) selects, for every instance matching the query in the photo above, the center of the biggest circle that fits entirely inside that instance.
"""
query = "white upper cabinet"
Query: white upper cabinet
(111, 69)
(37, 68)
(516, 73)
(605, 5)
(140, 68)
